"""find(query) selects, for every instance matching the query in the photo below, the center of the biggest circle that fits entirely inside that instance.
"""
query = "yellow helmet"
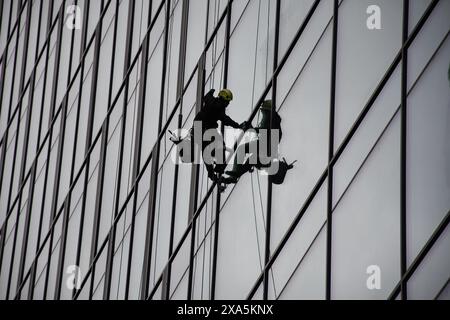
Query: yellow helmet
(226, 94)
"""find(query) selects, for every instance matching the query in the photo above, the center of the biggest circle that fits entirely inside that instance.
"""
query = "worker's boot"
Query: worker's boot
(211, 174)
(220, 168)
(230, 179)
(239, 169)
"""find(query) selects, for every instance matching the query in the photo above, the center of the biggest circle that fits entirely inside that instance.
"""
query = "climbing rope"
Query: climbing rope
(253, 98)
(209, 208)
(204, 244)
(251, 106)
(211, 86)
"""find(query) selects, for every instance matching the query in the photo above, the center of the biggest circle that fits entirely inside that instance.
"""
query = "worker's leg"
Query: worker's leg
(240, 167)
(209, 166)
(221, 163)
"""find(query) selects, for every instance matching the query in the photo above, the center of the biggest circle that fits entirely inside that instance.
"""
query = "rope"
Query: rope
(253, 98)
(267, 41)
(197, 236)
(266, 78)
(204, 245)
(169, 54)
(157, 225)
(212, 81)
(266, 75)
(211, 86)
(214, 49)
(210, 248)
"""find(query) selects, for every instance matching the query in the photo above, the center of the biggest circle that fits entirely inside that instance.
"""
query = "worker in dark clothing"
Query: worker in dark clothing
(240, 166)
(213, 110)
(266, 110)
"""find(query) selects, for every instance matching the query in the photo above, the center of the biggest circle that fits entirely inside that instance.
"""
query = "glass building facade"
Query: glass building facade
(93, 207)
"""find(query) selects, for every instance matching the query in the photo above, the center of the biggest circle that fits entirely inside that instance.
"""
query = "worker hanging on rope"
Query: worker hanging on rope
(212, 111)
(256, 153)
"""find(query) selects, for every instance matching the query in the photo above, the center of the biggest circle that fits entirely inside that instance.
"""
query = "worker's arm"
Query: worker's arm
(208, 98)
(227, 121)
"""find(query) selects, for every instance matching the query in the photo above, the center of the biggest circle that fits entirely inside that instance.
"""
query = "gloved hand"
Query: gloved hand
(245, 125)
(212, 175)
